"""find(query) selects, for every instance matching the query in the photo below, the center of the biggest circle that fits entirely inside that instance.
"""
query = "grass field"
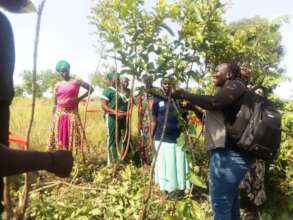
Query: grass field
(95, 127)
(20, 116)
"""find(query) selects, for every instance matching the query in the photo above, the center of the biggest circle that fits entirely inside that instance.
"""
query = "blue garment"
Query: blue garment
(172, 131)
(227, 168)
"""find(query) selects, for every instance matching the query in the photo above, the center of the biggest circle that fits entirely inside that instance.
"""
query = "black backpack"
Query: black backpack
(257, 128)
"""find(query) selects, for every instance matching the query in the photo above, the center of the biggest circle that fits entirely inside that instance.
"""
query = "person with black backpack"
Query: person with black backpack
(254, 181)
(227, 166)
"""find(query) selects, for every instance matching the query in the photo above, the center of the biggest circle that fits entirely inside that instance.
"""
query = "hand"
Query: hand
(121, 113)
(62, 162)
(185, 104)
(178, 94)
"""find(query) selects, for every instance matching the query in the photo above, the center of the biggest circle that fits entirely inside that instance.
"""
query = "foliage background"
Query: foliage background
(139, 41)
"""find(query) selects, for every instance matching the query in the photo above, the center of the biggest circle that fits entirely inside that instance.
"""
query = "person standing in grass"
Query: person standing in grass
(171, 165)
(67, 132)
(227, 165)
(254, 181)
(112, 99)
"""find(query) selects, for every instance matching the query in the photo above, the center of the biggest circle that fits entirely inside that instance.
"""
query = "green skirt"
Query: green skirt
(171, 167)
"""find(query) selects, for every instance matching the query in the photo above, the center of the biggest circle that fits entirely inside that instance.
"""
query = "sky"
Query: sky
(67, 34)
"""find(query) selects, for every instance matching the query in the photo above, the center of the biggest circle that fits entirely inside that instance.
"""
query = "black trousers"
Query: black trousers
(4, 133)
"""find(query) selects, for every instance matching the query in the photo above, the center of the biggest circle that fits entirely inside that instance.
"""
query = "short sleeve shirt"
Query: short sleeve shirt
(172, 131)
(109, 94)
(7, 59)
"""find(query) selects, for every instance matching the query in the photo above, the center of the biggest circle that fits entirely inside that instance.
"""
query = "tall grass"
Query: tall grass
(95, 127)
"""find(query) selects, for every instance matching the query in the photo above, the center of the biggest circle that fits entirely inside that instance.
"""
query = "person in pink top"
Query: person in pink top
(67, 132)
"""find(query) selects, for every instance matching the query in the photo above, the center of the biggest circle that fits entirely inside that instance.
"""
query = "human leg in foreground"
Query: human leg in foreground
(227, 169)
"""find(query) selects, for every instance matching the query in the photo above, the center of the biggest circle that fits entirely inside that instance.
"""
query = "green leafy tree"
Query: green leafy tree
(135, 36)
(141, 40)
(18, 90)
(253, 42)
(99, 79)
(45, 82)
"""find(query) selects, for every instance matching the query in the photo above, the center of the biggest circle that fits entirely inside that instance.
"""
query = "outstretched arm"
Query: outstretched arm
(17, 161)
(226, 97)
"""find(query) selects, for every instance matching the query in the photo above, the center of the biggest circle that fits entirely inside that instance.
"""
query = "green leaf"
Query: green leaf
(169, 217)
(28, 8)
(181, 140)
(83, 217)
(95, 211)
(181, 207)
(196, 180)
(151, 66)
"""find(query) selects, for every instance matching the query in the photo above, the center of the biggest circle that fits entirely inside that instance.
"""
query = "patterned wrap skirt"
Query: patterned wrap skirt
(67, 132)
(171, 167)
(254, 183)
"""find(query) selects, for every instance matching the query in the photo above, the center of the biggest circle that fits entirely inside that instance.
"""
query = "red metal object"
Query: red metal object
(93, 110)
(16, 139)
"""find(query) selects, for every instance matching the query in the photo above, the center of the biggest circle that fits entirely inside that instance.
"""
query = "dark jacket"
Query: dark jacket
(7, 59)
(227, 100)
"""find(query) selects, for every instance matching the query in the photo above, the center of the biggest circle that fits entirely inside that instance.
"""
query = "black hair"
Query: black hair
(234, 68)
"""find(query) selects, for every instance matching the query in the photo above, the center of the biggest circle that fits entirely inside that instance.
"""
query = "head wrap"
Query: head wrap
(112, 74)
(62, 66)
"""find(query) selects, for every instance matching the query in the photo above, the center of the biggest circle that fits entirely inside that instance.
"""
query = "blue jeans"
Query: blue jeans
(227, 168)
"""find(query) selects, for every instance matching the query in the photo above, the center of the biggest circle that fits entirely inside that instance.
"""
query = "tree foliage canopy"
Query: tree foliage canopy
(45, 82)
(187, 38)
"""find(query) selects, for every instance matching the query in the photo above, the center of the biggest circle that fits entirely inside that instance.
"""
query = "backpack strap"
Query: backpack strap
(260, 90)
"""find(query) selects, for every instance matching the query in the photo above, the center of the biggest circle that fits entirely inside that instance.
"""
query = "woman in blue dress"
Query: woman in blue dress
(171, 165)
